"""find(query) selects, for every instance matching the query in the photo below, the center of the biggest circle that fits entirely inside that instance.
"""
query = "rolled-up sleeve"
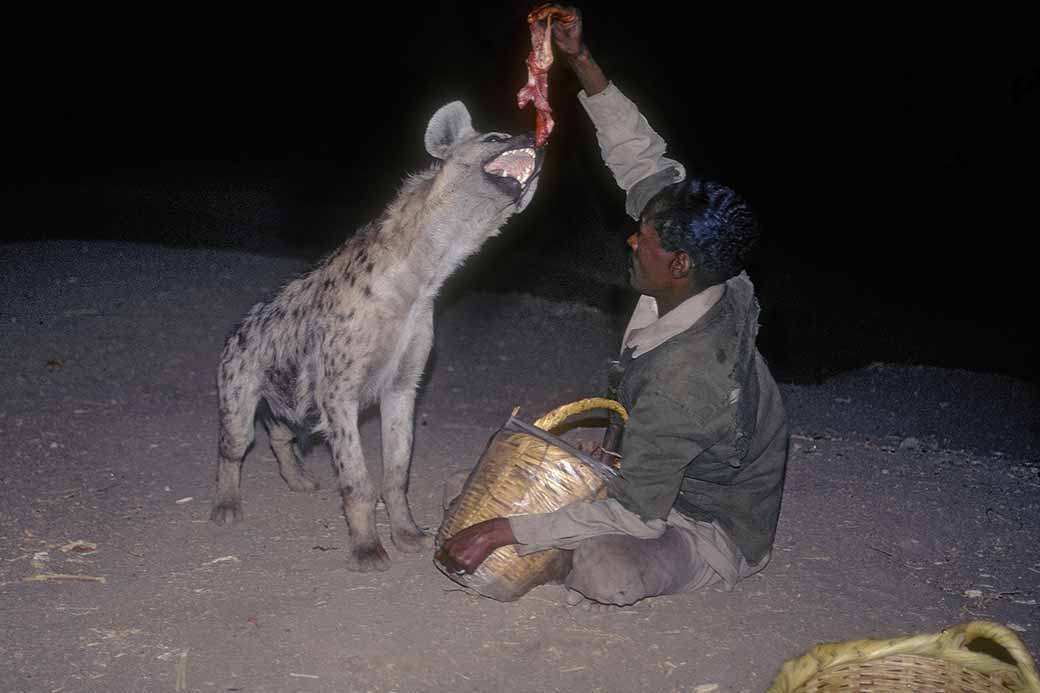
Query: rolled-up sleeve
(631, 149)
(573, 523)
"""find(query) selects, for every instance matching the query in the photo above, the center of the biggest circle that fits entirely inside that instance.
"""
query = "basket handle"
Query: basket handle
(1007, 639)
(558, 415)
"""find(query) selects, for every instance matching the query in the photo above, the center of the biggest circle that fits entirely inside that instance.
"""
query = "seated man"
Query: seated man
(705, 449)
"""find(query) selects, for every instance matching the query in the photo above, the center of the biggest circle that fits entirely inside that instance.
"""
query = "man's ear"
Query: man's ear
(680, 265)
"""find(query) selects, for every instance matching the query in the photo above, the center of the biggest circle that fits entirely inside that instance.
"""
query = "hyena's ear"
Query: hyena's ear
(448, 126)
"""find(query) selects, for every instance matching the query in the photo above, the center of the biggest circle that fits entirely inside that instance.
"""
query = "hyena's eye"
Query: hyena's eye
(495, 138)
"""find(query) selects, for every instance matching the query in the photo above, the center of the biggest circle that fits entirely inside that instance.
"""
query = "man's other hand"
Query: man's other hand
(589, 447)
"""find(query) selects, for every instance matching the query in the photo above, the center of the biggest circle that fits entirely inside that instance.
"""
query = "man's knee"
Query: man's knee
(607, 570)
(621, 570)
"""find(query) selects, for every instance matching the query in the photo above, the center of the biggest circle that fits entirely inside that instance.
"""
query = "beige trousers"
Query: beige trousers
(620, 559)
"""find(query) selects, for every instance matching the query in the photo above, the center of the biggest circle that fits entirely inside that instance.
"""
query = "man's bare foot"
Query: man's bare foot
(576, 600)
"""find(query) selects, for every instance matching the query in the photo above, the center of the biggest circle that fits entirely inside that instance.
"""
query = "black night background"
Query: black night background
(891, 159)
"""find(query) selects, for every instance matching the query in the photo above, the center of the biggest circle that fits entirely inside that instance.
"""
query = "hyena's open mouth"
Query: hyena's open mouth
(513, 169)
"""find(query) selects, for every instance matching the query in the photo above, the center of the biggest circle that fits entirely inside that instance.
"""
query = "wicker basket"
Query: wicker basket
(923, 663)
(525, 469)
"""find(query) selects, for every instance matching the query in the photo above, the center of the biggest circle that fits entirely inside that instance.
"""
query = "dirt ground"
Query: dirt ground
(912, 503)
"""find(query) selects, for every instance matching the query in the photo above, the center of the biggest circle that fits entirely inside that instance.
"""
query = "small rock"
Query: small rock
(973, 594)
(39, 561)
(223, 559)
(910, 443)
(79, 546)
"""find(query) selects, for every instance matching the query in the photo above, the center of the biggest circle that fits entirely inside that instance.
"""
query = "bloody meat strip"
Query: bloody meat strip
(539, 61)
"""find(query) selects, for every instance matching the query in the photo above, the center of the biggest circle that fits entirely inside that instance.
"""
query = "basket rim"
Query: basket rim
(555, 417)
(604, 471)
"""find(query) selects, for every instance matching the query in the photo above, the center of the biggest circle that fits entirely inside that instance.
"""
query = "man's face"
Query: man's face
(649, 269)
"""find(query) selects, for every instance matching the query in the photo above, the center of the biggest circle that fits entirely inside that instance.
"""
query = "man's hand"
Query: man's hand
(569, 39)
(589, 447)
(566, 26)
(465, 551)
(598, 451)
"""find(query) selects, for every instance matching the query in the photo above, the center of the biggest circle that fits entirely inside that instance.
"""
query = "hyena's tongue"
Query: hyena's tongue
(516, 163)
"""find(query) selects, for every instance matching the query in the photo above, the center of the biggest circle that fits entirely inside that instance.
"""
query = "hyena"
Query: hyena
(358, 329)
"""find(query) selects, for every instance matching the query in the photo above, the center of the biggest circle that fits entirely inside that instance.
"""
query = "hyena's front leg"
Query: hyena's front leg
(359, 499)
(396, 411)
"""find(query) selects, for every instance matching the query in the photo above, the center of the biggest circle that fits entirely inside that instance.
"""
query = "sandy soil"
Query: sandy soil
(912, 502)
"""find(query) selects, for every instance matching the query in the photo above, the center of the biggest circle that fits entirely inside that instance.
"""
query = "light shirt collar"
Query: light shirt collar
(646, 331)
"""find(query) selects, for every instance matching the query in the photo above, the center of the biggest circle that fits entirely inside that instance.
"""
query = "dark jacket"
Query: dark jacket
(707, 432)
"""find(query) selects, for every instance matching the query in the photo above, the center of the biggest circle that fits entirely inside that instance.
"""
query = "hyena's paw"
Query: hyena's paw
(300, 480)
(412, 540)
(369, 558)
(226, 511)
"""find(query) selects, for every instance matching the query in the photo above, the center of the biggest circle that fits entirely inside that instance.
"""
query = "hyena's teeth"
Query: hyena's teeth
(516, 163)
(526, 171)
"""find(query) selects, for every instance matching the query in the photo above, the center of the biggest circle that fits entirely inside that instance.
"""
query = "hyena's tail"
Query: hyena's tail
(304, 434)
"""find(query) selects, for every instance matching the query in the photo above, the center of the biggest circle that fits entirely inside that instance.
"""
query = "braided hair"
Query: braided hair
(709, 222)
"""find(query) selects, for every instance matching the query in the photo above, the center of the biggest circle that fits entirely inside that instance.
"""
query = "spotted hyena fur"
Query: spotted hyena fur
(357, 329)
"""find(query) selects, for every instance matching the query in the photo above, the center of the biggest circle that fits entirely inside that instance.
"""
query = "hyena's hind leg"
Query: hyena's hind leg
(359, 499)
(237, 409)
(289, 465)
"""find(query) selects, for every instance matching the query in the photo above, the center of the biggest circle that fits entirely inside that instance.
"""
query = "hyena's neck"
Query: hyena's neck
(454, 233)
(431, 235)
